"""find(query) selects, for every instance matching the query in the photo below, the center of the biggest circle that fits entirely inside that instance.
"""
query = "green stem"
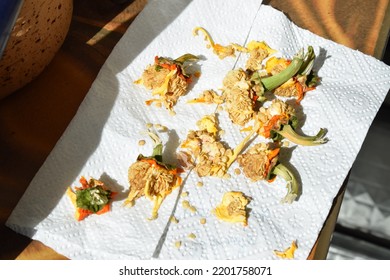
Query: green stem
(270, 83)
(158, 147)
(157, 150)
(237, 150)
(289, 133)
(292, 183)
(308, 63)
(186, 57)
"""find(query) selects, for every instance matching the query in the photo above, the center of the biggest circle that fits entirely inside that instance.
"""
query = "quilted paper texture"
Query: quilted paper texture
(352, 89)
(102, 139)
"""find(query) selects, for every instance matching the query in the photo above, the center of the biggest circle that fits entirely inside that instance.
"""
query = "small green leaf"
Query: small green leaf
(93, 199)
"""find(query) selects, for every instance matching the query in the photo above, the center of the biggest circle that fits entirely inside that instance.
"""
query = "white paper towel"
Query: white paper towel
(101, 142)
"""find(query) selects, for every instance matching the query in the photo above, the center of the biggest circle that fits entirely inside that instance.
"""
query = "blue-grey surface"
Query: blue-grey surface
(9, 10)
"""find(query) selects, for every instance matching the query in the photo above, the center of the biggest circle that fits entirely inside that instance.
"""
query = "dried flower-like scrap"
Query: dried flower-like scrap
(289, 252)
(258, 51)
(260, 162)
(152, 178)
(288, 77)
(221, 51)
(240, 96)
(242, 90)
(232, 209)
(303, 81)
(92, 197)
(168, 79)
(208, 97)
(210, 156)
(279, 121)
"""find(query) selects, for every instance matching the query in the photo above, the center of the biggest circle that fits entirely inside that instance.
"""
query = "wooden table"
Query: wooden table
(33, 118)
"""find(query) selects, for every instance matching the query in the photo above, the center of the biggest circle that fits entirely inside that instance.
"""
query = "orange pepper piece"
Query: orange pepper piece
(270, 125)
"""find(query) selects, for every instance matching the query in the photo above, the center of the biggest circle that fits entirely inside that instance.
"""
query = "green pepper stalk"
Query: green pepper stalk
(301, 64)
(261, 162)
(279, 121)
(186, 58)
(272, 82)
(289, 133)
(308, 63)
(292, 183)
(312, 80)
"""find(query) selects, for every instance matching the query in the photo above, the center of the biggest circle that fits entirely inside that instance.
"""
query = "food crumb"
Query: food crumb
(174, 220)
(289, 252)
(160, 127)
(197, 74)
(186, 204)
(199, 184)
(237, 171)
(184, 194)
(285, 144)
(178, 244)
(203, 221)
(149, 125)
(141, 142)
(192, 235)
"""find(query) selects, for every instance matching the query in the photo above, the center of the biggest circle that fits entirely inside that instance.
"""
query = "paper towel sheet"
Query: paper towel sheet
(102, 142)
